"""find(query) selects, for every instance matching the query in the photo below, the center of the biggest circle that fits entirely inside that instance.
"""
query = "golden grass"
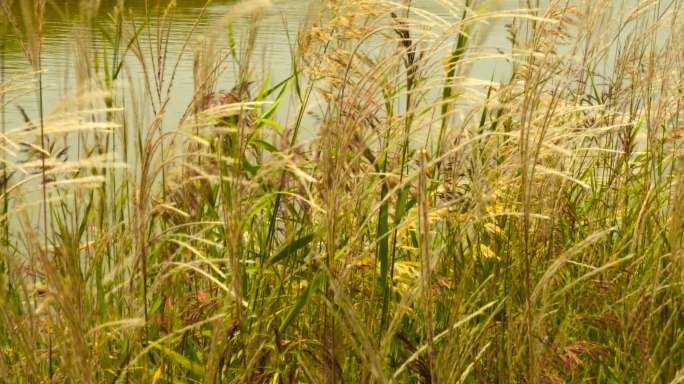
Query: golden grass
(379, 216)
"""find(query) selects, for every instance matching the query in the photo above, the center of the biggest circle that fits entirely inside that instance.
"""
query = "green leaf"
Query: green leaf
(292, 247)
(301, 300)
(180, 360)
(383, 252)
(130, 43)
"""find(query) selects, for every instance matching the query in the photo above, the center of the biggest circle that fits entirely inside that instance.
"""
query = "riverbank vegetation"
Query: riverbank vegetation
(379, 215)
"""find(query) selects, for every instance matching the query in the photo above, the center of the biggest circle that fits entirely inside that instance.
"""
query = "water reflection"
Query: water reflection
(276, 35)
(62, 27)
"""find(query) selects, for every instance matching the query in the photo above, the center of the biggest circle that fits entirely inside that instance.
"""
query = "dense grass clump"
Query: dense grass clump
(380, 215)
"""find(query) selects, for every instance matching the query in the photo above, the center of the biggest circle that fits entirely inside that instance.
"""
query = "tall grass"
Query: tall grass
(377, 216)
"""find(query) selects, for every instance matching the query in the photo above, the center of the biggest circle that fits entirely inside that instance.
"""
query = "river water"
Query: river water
(276, 34)
(278, 30)
(59, 50)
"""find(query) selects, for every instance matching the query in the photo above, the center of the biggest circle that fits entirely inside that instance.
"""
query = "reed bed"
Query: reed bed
(378, 216)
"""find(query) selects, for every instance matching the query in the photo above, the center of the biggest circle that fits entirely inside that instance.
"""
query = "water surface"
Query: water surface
(277, 33)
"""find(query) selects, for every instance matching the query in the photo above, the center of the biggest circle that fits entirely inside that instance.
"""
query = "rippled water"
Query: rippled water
(272, 55)
(58, 54)
(272, 52)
